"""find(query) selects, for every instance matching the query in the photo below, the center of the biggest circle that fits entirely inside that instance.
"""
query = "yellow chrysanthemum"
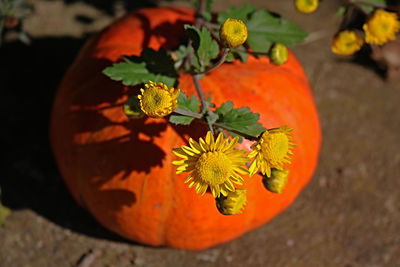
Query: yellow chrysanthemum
(233, 33)
(233, 203)
(157, 100)
(212, 163)
(276, 183)
(306, 6)
(272, 150)
(346, 43)
(381, 27)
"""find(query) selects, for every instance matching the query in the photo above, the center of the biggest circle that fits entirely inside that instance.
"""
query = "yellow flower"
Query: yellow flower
(233, 203)
(272, 150)
(278, 54)
(276, 183)
(233, 33)
(306, 6)
(157, 100)
(213, 164)
(381, 27)
(346, 43)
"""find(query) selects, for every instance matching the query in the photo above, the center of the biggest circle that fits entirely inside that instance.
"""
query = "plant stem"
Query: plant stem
(204, 105)
(252, 52)
(201, 8)
(219, 63)
(188, 113)
(200, 116)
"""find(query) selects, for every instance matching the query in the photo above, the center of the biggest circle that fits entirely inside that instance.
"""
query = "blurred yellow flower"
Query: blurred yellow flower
(306, 6)
(381, 27)
(346, 43)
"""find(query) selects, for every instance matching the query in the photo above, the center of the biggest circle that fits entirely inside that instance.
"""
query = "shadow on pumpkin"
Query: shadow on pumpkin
(30, 76)
(169, 34)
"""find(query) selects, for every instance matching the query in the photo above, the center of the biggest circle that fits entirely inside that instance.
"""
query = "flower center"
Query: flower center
(275, 147)
(213, 168)
(155, 100)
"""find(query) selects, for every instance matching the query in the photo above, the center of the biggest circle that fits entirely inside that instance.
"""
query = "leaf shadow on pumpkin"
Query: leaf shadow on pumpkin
(30, 76)
(169, 34)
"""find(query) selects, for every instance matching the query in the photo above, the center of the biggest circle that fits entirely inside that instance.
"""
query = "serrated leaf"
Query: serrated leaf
(156, 66)
(224, 108)
(206, 48)
(265, 29)
(185, 103)
(132, 108)
(180, 119)
(189, 104)
(241, 13)
(239, 119)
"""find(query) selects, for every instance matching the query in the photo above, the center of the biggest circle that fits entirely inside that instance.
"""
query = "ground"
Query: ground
(347, 216)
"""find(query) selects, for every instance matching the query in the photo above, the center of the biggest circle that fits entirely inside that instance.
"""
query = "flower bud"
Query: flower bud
(233, 203)
(278, 54)
(233, 33)
(276, 183)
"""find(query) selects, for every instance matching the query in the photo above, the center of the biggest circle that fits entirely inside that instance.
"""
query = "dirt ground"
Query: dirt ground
(348, 215)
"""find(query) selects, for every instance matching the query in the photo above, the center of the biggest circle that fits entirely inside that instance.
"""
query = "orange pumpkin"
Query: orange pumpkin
(120, 169)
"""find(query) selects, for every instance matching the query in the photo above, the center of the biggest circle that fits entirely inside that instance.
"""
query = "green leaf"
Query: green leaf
(180, 119)
(211, 117)
(265, 29)
(224, 108)
(341, 11)
(156, 66)
(242, 56)
(230, 57)
(239, 119)
(241, 13)
(370, 8)
(185, 103)
(132, 108)
(205, 46)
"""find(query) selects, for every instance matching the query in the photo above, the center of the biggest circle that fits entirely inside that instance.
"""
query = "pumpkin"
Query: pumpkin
(120, 169)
